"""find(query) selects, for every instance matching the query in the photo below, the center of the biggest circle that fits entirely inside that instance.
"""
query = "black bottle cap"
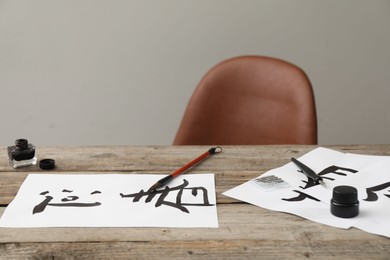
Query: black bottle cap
(344, 203)
(47, 164)
(345, 194)
(22, 144)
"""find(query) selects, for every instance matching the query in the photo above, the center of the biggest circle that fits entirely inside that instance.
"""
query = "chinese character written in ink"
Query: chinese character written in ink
(163, 193)
(310, 183)
(67, 201)
(371, 192)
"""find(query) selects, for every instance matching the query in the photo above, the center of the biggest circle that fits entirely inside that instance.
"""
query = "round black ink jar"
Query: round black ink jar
(344, 203)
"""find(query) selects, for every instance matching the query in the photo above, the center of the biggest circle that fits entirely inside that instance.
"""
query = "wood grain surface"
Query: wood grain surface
(245, 231)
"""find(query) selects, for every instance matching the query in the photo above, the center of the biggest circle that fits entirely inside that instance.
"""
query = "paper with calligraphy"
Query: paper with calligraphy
(287, 189)
(112, 200)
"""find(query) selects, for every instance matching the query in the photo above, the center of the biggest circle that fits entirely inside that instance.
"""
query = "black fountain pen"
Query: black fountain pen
(308, 172)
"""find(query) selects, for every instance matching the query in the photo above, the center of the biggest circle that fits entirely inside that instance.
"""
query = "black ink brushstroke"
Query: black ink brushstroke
(310, 183)
(41, 206)
(371, 195)
(46, 202)
(331, 169)
(334, 169)
(163, 193)
(302, 196)
(70, 198)
(94, 204)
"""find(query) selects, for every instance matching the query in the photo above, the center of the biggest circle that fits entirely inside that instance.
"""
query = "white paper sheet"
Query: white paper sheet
(359, 171)
(112, 200)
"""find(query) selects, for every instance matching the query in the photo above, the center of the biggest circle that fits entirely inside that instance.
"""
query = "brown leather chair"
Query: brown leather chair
(250, 100)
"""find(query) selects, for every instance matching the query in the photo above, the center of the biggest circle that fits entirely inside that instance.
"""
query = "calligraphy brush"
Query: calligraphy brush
(179, 171)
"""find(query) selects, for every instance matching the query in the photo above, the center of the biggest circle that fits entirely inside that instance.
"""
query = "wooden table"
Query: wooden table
(245, 231)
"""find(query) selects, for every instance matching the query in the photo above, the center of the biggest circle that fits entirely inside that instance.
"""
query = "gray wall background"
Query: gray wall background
(117, 72)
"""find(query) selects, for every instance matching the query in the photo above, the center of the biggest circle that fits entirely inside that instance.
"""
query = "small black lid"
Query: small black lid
(22, 144)
(345, 194)
(47, 164)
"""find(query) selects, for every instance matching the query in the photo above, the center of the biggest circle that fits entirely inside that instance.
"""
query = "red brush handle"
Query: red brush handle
(196, 161)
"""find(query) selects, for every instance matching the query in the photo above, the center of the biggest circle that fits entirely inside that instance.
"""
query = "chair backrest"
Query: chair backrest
(250, 100)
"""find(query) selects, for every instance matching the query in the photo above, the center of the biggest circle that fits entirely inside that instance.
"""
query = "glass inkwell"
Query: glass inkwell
(22, 154)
